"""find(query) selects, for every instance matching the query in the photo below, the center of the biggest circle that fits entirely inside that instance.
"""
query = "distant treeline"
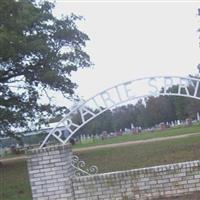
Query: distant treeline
(145, 113)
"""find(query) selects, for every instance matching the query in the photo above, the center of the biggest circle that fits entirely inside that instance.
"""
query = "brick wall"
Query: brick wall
(52, 177)
(50, 173)
(146, 183)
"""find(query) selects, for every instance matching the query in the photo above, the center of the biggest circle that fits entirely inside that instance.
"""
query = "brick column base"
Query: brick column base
(50, 173)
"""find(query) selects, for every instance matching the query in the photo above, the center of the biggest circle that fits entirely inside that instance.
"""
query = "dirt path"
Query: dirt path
(115, 145)
(13, 158)
(134, 142)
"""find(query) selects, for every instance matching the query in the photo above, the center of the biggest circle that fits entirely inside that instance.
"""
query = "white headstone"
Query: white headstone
(198, 117)
(132, 126)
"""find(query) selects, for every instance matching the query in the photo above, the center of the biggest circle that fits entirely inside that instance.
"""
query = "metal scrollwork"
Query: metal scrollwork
(81, 169)
(117, 95)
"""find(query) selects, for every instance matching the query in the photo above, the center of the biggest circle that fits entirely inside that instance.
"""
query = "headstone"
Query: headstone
(132, 126)
(162, 126)
(198, 116)
(188, 122)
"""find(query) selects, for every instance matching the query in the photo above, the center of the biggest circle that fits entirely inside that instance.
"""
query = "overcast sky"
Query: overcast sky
(130, 40)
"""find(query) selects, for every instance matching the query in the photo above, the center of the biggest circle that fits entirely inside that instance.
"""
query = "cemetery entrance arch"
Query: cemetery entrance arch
(121, 93)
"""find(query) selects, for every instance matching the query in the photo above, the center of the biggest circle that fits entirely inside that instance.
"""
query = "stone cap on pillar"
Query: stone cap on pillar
(48, 149)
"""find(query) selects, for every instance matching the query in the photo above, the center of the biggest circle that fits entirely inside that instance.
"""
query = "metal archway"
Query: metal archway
(121, 93)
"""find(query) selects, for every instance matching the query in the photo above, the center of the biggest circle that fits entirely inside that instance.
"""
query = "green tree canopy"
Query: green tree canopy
(38, 52)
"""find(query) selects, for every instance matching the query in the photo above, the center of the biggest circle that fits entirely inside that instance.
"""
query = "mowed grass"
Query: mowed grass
(142, 136)
(14, 182)
(143, 155)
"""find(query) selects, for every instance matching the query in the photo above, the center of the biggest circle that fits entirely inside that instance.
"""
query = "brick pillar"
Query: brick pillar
(50, 173)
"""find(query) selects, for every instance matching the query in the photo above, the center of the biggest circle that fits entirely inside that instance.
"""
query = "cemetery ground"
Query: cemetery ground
(14, 183)
(140, 136)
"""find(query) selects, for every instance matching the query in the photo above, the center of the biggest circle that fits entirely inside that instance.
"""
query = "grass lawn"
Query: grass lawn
(142, 136)
(14, 184)
(143, 155)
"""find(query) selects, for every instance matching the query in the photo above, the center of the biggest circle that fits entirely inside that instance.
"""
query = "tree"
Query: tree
(160, 109)
(183, 106)
(38, 52)
(101, 123)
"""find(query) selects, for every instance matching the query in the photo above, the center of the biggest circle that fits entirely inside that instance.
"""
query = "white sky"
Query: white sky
(130, 40)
